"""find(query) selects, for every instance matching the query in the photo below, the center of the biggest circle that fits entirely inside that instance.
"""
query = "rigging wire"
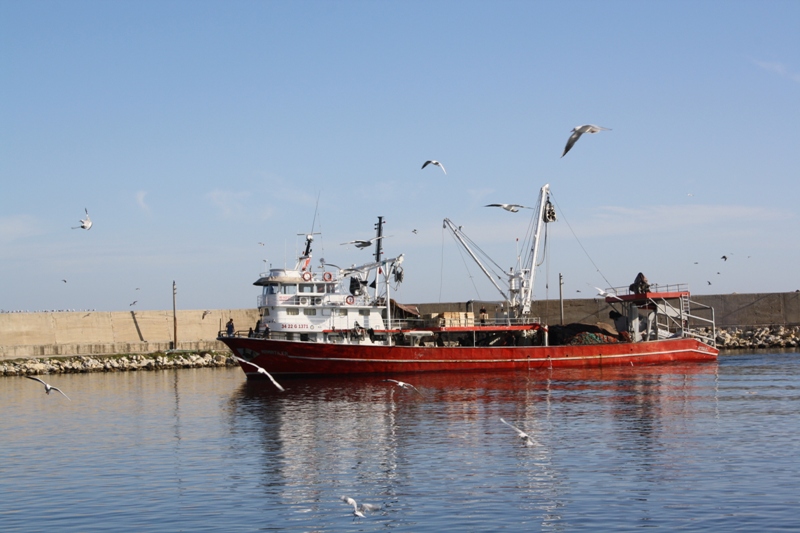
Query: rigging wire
(563, 216)
(466, 266)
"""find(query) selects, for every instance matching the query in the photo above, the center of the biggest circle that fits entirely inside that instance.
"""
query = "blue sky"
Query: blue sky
(192, 131)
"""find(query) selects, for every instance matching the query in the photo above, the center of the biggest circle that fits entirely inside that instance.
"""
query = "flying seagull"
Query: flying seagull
(85, 224)
(605, 294)
(204, 314)
(580, 130)
(261, 371)
(358, 510)
(404, 385)
(432, 162)
(133, 303)
(48, 387)
(526, 439)
(513, 208)
(724, 257)
(363, 244)
(64, 280)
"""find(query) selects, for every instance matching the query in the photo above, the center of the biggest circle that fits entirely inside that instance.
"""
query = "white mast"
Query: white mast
(520, 280)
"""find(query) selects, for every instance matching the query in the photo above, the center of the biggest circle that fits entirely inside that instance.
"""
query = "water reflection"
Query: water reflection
(367, 438)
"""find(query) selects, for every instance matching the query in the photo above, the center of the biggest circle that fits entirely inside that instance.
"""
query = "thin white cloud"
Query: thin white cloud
(140, 200)
(778, 68)
(229, 203)
(18, 227)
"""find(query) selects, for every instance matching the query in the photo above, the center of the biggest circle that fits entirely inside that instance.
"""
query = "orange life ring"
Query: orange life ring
(327, 276)
(350, 300)
(307, 276)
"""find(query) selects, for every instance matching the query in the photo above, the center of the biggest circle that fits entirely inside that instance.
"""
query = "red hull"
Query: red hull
(291, 357)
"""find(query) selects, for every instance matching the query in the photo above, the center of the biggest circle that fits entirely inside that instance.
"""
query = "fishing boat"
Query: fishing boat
(330, 320)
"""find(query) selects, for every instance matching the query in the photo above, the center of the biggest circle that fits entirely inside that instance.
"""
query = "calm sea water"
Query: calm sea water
(691, 447)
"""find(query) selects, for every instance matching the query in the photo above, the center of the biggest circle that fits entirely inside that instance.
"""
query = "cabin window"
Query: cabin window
(342, 311)
(292, 311)
(266, 312)
(320, 288)
(331, 288)
(363, 312)
(271, 289)
(308, 311)
(289, 289)
(306, 288)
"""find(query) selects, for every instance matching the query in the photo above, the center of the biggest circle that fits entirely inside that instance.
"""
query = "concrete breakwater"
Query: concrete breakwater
(758, 337)
(121, 363)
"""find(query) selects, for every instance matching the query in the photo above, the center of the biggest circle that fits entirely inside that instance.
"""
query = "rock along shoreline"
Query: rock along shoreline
(732, 339)
(115, 363)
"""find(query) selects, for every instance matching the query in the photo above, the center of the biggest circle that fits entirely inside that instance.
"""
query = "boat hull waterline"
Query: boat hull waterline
(289, 357)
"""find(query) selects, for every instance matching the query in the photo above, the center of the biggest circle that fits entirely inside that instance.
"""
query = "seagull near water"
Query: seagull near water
(85, 224)
(580, 130)
(513, 208)
(432, 162)
(526, 439)
(404, 385)
(48, 387)
(358, 509)
(261, 371)
(363, 244)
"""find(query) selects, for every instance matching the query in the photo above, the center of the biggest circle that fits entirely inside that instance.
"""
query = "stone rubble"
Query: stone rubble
(115, 363)
(758, 337)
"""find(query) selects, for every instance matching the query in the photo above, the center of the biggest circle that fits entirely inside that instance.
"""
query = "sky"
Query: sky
(192, 131)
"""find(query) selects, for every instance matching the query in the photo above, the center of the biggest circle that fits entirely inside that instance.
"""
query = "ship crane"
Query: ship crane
(519, 293)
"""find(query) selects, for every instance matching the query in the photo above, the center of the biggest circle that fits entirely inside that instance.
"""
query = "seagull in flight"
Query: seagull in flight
(605, 294)
(48, 387)
(432, 162)
(404, 385)
(358, 510)
(724, 257)
(526, 439)
(64, 280)
(513, 208)
(363, 244)
(261, 371)
(132, 303)
(580, 130)
(85, 224)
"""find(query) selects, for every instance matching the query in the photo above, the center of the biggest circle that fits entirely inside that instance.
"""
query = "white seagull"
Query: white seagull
(85, 224)
(404, 385)
(432, 162)
(605, 294)
(509, 207)
(363, 244)
(261, 371)
(580, 130)
(358, 510)
(526, 439)
(48, 387)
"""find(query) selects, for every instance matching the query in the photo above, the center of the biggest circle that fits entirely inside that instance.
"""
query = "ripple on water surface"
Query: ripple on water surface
(701, 447)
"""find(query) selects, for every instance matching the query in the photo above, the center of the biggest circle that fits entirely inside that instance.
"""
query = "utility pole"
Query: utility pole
(174, 317)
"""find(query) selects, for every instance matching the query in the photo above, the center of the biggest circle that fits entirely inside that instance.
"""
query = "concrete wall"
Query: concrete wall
(104, 333)
(730, 310)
